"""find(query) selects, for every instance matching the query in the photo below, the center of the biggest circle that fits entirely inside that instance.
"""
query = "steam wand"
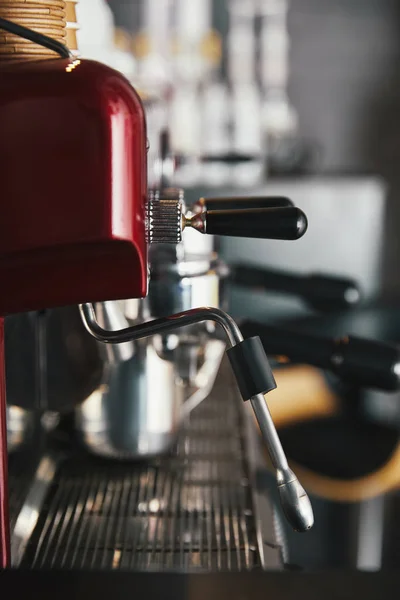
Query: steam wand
(254, 377)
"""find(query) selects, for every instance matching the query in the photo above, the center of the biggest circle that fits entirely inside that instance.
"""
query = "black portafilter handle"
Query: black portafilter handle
(287, 223)
(230, 158)
(322, 292)
(361, 362)
(241, 202)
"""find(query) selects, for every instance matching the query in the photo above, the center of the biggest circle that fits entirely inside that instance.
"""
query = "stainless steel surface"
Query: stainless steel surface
(191, 282)
(268, 432)
(32, 506)
(270, 541)
(137, 410)
(19, 426)
(138, 407)
(111, 316)
(192, 509)
(159, 326)
(294, 500)
(21, 468)
(204, 379)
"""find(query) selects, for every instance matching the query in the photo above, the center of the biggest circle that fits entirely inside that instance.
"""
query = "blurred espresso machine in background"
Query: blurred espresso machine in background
(152, 166)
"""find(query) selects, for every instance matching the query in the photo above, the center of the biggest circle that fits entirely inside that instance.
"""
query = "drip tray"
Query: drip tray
(193, 509)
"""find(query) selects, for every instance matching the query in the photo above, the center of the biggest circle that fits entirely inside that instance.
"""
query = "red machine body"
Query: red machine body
(73, 186)
(4, 518)
(73, 189)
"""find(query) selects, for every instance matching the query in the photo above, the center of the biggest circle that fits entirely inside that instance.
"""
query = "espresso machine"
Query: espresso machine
(81, 227)
(129, 446)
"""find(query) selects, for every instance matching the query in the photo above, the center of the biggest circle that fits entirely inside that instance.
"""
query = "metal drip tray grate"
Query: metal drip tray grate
(189, 510)
(18, 489)
(21, 470)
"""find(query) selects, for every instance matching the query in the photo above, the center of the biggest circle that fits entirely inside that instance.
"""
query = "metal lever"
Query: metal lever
(277, 221)
(286, 223)
(253, 374)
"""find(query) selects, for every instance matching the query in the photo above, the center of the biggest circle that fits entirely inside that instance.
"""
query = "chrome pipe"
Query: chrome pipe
(294, 500)
(159, 326)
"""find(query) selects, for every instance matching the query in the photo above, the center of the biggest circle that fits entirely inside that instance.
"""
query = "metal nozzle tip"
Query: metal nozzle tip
(294, 500)
(302, 224)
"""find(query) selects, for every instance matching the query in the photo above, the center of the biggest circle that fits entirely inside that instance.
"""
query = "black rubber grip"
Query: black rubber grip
(322, 292)
(245, 202)
(251, 368)
(288, 223)
(229, 157)
(362, 362)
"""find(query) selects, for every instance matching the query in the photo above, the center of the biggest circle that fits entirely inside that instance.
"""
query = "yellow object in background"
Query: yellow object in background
(301, 395)
(141, 45)
(72, 25)
(211, 47)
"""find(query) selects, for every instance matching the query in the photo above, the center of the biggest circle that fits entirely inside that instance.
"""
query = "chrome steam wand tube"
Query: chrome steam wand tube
(254, 377)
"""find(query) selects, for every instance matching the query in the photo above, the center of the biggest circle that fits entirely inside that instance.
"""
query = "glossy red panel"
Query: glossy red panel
(72, 186)
(4, 519)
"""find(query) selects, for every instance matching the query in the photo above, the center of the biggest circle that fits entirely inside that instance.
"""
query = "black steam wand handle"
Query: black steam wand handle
(287, 223)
